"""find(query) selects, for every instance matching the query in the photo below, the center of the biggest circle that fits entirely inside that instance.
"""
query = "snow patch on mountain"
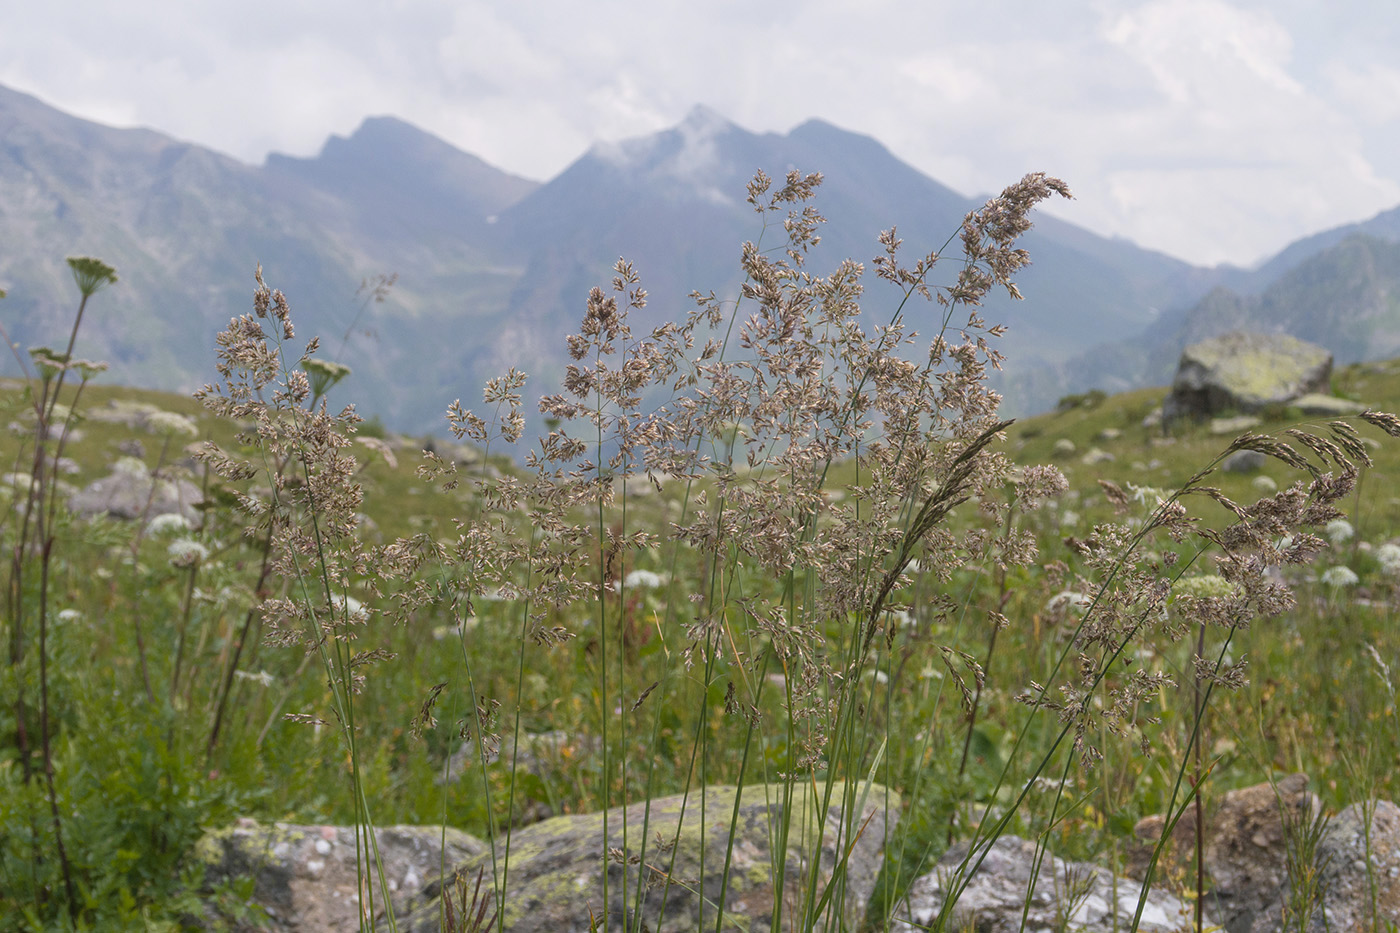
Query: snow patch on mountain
(688, 156)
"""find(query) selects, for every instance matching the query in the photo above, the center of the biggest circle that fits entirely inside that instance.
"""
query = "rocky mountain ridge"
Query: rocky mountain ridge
(493, 269)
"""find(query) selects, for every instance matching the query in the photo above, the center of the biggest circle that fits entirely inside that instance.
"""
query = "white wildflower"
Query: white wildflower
(1147, 495)
(1205, 586)
(350, 607)
(68, 616)
(170, 423)
(186, 552)
(261, 677)
(644, 579)
(1068, 600)
(21, 481)
(167, 523)
(1388, 556)
(899, 618)
(1339, 577)
(1339, 531)
(130, 466)
(1264, 485)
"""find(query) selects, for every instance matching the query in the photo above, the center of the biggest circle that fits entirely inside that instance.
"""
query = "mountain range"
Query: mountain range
(494, 269)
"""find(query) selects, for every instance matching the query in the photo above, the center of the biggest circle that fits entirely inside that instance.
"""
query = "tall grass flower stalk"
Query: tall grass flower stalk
(308, 519)
(32, 526)
(830, 476)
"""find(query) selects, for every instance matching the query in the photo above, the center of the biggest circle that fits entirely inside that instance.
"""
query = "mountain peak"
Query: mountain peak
(703, 120)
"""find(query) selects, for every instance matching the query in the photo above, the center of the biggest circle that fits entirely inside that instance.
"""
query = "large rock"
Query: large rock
(130, 491)
(306, 878)
(1066, 896)
(1246, 849)
(555, 878)
(1246, 372)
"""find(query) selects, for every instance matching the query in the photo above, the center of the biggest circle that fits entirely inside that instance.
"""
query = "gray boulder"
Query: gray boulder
(1065, 896)
(1245, 461)
(1326, 406)
(1246, 372)
(306, 878)
(555, 877)
(1359, 858)
(130, 491)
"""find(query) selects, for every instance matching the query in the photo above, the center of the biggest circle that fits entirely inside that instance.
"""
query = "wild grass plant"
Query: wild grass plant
(781, 544)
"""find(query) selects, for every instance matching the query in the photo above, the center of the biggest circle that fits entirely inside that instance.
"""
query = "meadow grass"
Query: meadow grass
(785, 541)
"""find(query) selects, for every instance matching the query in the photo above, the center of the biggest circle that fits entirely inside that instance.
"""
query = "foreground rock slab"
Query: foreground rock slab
(555, 877)
(1066, 896)
(306, 877)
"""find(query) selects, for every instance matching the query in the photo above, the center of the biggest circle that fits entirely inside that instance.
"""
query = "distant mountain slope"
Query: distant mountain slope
(1345, 297)
(1383, 226)
(494, 269)
(673, 203)
(186, 227)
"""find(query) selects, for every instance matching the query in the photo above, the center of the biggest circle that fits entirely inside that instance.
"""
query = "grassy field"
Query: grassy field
(649, 618)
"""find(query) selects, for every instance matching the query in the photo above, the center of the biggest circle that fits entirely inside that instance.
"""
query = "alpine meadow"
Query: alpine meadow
(776, 624)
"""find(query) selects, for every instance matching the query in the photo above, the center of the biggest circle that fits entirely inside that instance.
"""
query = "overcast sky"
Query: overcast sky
(1214, 130)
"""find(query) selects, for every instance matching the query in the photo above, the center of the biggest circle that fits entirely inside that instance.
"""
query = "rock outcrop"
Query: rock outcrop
(306, 877)
(1246, 373)
(555, 880)
(1066, 896)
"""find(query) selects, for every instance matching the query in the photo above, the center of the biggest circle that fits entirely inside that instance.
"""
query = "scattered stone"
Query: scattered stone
(1066, 896)
(130, 491)
(305, 877)
(1064, 447)
(1328, 406)
(1265, 485)
(131, 447)
(1110, 434)
(555, 878)
(1245, 461)
(123, 411)
(540, 753)
(1220, 427)
(1153, 419)
(1246, 372)
(1097, 455)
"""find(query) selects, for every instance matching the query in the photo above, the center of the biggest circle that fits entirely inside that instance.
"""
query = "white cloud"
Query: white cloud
(1210, 129)
(1371, 91)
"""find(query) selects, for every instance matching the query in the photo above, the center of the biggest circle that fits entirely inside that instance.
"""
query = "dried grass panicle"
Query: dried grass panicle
(752, 402)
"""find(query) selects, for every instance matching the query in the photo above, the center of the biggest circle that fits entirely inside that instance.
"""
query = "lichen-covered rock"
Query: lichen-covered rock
(306, 877)
(1066, 896)
(1246, 372)
(555, 878)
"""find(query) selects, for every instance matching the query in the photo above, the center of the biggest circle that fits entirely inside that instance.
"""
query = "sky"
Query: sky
(1212, 130)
